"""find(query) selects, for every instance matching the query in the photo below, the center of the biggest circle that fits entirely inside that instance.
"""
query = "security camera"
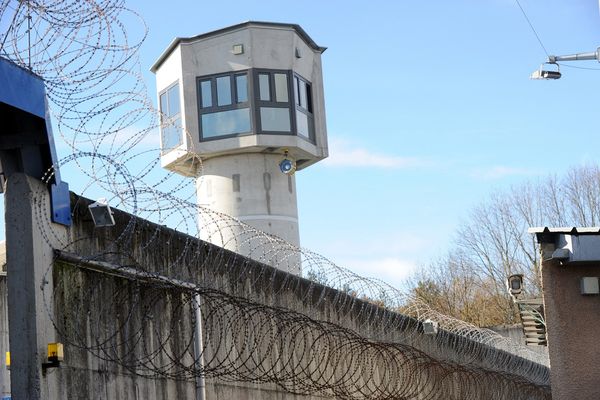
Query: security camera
(515, 285)
(287, 165)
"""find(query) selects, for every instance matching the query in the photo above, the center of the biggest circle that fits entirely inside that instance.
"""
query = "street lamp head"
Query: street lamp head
(543, 73)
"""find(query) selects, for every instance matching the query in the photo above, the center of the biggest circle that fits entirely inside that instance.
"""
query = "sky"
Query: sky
(430, 109)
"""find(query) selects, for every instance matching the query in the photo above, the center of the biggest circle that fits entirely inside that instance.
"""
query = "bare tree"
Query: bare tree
(448, 286)
(494, 242)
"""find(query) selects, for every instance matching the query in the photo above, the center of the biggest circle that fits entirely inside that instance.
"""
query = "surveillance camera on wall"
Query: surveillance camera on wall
(287, 165)
(515, 285)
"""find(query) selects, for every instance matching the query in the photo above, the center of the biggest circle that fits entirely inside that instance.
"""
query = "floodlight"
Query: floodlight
(101, 213)
(542, 73)
(430, 327)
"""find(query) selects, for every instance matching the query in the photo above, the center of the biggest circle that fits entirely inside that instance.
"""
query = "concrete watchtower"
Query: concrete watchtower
(248, 96)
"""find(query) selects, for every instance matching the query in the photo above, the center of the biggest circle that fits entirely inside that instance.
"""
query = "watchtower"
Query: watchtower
(248, 101)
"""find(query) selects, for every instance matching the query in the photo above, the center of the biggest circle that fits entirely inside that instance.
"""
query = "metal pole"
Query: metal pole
(576, 57)
(199, 350)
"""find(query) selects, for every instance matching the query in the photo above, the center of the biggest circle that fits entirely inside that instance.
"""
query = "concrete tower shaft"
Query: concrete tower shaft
(251, 188)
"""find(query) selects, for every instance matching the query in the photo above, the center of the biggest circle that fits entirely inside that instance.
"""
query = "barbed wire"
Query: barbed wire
(109, 130)
(148, 331)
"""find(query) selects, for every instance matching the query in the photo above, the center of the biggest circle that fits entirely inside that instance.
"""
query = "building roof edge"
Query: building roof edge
(175, 42)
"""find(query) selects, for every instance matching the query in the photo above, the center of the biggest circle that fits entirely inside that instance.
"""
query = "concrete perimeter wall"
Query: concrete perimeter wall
(86, 311)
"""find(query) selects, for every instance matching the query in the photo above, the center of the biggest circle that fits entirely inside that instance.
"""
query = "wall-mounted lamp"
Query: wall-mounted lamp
(55, 355)
(101, 213)
(430, 327)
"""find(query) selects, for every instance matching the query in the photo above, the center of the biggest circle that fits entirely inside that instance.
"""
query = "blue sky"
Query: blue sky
(429, 110)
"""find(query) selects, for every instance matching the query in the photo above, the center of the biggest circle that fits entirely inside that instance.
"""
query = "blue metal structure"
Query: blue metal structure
(26, 140)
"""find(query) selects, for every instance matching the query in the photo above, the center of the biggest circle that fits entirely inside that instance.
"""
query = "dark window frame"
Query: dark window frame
(166, 118)
(254, 103)
(272, 103)
(235, 105)
(308, 110)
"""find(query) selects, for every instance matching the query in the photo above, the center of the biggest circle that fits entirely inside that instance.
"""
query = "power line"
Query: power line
(577, 67)
(532, 28)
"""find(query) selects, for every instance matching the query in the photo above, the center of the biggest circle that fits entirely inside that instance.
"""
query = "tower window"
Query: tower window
(304, 108)
(223, 104)
(273, 103)
(241, 87)
(257, 101)
(170, 118)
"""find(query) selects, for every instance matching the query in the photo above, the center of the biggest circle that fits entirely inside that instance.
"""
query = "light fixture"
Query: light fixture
(101, 213)
(287, 165)
(542, 73)
(430, 327)
(55, 355)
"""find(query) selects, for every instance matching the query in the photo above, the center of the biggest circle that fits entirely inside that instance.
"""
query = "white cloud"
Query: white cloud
(390, 257)
(502, 171)
(382, 243)
(343, 154)
(392, 270)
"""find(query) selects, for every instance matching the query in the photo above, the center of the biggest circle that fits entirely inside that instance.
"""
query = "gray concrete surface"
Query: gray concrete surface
(264, 198)
(85, 376)
(29, 240)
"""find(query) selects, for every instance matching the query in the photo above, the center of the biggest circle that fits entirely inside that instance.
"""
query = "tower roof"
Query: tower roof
(297, 28)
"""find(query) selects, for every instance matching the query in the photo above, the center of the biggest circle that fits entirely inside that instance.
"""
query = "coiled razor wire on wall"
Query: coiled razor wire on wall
(250, 342)
(87, 57)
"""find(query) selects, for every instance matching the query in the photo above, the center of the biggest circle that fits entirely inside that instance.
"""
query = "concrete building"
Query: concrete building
(570, 269)
(247, 101)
